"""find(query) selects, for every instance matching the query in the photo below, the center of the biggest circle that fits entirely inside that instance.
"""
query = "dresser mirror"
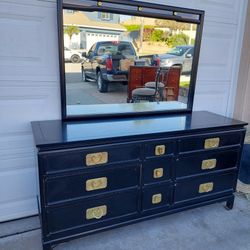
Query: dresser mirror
(127, 57)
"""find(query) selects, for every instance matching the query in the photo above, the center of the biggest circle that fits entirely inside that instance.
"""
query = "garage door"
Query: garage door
(29, 82)
(29, 90)
(99, 37)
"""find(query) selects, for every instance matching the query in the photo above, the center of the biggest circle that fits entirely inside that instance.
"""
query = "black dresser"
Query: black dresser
(96, 175)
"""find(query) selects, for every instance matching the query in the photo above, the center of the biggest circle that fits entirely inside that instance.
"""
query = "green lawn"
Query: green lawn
(184, 84)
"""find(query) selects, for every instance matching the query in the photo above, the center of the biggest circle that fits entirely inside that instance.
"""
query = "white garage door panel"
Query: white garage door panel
(29, 82)
(31, 50)
(12, 184)
(217, 52)
(221, 10)
(213, 98)
(29, 90)
(16, 151)
(28, 104)
(10, 192)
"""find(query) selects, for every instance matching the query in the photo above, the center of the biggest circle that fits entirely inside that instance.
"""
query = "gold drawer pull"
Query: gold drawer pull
(95, 184)
(158, 173)
(96, 212)
(160, 150)
(212, 143)
(156, 198)
(96, 158)
(209, 164)
(206, 187)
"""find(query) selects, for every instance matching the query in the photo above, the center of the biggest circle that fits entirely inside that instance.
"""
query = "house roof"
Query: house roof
(79, 19)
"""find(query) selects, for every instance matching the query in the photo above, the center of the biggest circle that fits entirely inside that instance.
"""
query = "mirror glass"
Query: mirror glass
(118, 63)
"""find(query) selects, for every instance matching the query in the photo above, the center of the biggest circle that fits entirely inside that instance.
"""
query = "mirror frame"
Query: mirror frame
(137, 8)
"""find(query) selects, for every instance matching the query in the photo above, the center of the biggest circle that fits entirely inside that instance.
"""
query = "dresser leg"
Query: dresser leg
(230, 204)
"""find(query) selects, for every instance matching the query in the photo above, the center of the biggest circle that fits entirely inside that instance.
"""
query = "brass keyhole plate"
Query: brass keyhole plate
(95, 184)
(96, 158)
(160, 150)
(96, 212)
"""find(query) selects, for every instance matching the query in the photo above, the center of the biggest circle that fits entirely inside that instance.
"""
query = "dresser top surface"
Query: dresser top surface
(56, 132)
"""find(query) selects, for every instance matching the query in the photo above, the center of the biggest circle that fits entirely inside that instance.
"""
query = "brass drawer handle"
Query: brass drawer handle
(158, 173)
(96, 212)
(160, 150)
(208, 164)
(95, 184)
(96, 158)
(206, 187)
(212, 143)
(156, 198)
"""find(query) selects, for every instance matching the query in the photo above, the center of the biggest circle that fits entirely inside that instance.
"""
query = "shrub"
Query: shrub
(157, 36)
(176, 40)
(134, 27)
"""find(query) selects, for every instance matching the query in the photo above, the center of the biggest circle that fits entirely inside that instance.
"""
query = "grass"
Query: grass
(185, 84)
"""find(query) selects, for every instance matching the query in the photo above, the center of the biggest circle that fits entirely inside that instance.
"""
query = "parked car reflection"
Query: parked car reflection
(71, 55)
(179, 55)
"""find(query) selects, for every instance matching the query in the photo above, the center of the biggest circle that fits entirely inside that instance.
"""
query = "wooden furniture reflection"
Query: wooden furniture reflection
(152, 91)
(139, 75)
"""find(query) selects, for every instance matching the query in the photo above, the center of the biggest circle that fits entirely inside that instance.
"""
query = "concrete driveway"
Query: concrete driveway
(207, 228)
(79, 92)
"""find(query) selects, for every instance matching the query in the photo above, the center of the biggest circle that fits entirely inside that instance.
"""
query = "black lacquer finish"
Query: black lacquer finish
(139, 181)
(55, 134)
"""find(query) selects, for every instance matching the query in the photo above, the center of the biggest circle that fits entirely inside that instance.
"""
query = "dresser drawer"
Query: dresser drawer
(205, 162)
(159, 148)
(156, 196)
(211, 141)
(199, 187)
(92, 211)
(89, 157)
(157, 170)
(73, 186)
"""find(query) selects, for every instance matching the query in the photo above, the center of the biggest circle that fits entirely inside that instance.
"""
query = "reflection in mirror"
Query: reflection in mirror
(126, 63)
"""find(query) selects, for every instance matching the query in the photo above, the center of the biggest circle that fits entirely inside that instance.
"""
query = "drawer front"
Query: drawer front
(201, 163)
(156, 170)
(159, 148)
(199, 187)
(92, 211)
(79, 185)
(208, 142)
(156, 196)
(89, 157)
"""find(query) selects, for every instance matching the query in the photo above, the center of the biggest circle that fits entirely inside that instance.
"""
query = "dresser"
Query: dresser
(96, 175)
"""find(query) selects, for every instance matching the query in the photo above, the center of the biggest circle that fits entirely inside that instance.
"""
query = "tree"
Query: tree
(173, 25)
(71, 30)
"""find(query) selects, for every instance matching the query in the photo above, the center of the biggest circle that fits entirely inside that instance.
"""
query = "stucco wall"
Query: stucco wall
(29, 83)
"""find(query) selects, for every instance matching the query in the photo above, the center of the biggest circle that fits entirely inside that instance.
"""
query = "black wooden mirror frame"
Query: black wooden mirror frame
(130, 7)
